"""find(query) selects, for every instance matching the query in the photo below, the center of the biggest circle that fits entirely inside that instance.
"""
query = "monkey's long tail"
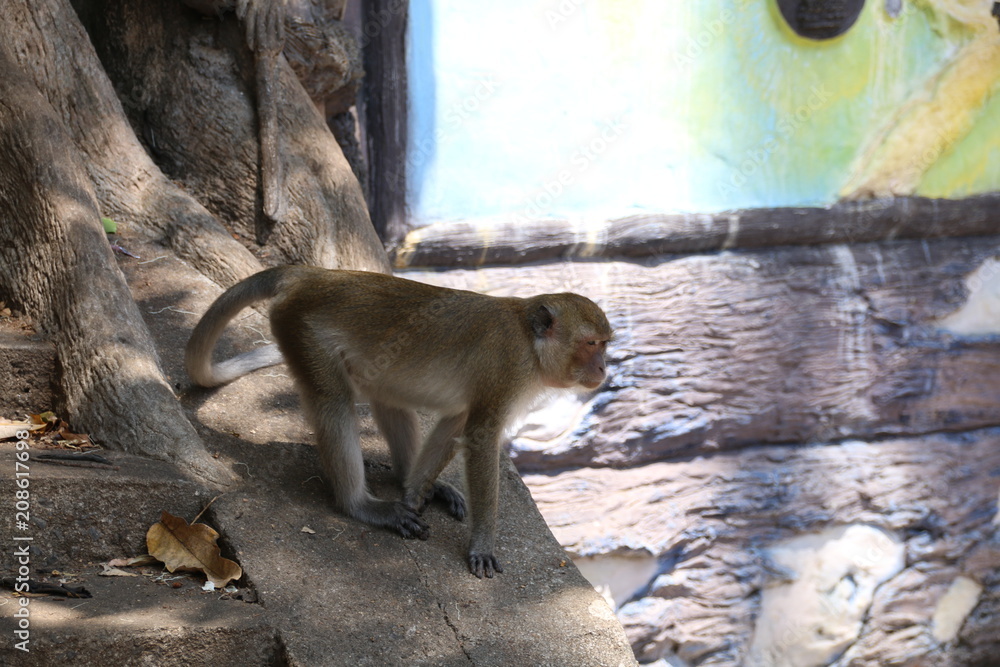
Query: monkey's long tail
(198, 354)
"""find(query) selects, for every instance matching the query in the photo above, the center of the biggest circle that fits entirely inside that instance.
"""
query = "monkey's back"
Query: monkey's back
(405, 342)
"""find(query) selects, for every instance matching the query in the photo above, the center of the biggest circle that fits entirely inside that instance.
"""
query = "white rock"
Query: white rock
(813, 618)
(960, 599)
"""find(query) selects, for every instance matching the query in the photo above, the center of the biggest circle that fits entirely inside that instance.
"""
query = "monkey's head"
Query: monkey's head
(571, 335)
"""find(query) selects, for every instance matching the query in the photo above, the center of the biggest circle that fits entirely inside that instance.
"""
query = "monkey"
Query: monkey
(477, 361)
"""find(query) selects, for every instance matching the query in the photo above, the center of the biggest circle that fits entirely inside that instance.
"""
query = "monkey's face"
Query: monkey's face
(589, 362)
(573, 338)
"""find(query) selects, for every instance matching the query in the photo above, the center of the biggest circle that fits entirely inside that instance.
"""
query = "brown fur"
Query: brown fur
(475, 360)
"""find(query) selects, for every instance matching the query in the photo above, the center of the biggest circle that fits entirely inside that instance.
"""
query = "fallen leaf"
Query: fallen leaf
(39, 588)
(9, 429)
(307, 529)
(109, 571)
(110, 226)
(45, 419)
(191, 548)
(74, 439)
(145, 559)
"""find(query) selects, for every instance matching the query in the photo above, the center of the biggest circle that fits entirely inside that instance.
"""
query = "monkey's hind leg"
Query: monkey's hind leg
(439, 448)
(402, 431)
(339, 449)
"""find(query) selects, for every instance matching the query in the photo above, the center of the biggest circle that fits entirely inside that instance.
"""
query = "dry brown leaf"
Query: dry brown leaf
(57, 432)
(73, 440)
(44, 420)
(9, 429)
(190, 547)
(109, 571)
(145, 559)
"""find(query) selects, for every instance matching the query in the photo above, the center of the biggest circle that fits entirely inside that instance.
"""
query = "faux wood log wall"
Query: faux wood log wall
(640, 236)
(761, 396)
(711, 527)
(787, 345)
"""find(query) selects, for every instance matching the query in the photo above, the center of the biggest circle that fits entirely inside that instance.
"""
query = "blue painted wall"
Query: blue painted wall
(596, 109)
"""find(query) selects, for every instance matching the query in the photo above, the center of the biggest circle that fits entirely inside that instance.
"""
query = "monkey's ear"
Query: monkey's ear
(541, 321)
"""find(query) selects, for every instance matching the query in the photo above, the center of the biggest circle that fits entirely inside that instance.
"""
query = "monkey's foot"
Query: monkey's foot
(397, 517)
(451, 498)
(484, 564)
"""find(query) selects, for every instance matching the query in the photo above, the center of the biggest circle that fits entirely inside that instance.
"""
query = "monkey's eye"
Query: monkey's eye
(591, 342)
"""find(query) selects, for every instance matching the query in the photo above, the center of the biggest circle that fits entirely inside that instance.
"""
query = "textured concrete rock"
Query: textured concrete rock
(760, 396)
(782, 345)
(345, 594)
(816, 615)
(27, 372)
(907, 515)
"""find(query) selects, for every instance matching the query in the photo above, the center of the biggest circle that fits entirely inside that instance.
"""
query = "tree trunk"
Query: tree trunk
(384, 24)
(187, 84)
(70, 156)
(58, 265)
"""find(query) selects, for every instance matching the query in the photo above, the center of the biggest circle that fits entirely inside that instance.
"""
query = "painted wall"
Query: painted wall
(596, 109)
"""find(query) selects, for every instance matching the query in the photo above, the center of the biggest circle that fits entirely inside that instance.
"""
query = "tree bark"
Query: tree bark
(59, 266)
(71, 156)
(48, 44)
(385, 110)
(187, 84)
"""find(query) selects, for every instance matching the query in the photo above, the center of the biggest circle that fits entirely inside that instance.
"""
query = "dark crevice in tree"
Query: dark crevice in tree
(385, 114)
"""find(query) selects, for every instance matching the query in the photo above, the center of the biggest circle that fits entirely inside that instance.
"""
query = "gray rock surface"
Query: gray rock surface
(768, 408)
(345, 594)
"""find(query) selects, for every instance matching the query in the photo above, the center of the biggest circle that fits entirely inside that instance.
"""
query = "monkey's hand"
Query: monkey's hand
(483, 564)
(451, 498)
(408, 523)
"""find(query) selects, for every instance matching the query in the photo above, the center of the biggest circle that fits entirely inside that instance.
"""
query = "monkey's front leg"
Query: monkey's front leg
(482, 472)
